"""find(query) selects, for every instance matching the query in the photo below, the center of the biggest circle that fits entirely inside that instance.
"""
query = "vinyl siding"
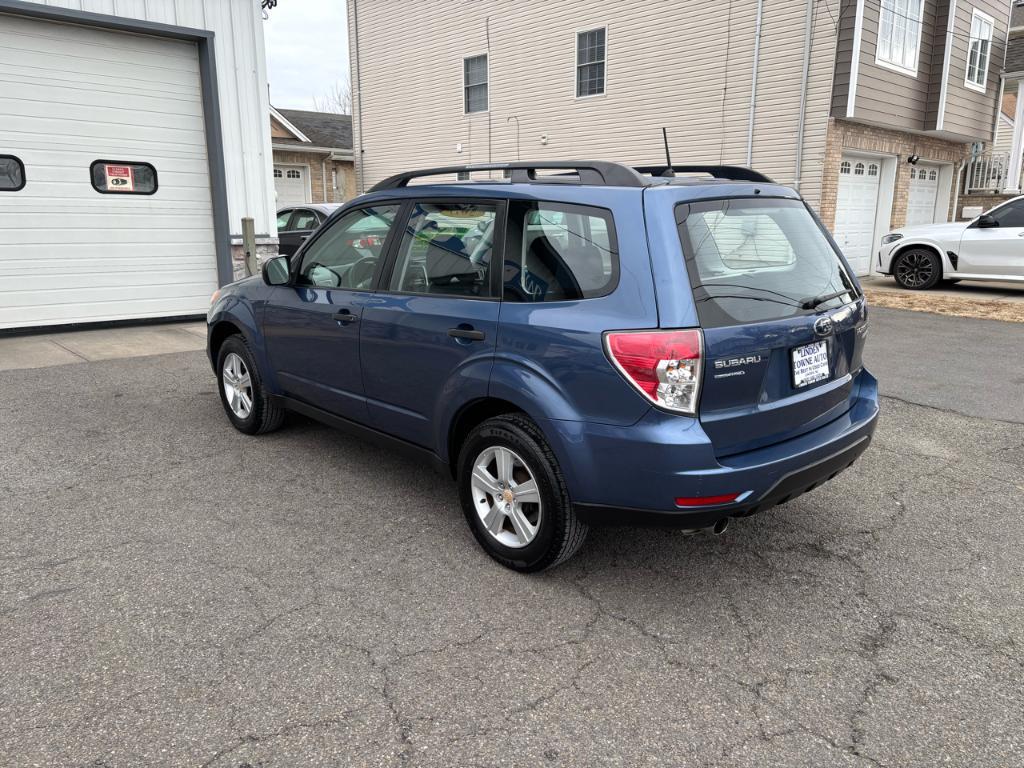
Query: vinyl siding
(891, 98)
(242, 85)
(844, 24)
(683, 66)
(969, 113)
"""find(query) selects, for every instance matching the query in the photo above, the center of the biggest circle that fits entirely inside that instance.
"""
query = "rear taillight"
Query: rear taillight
(664, 365)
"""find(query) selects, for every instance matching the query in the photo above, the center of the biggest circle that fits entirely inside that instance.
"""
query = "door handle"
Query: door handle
(345, 317)
(467, 333)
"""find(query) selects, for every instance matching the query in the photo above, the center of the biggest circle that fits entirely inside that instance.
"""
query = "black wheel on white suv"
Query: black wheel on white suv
(245, 401)
(917, 269)
(514, 496)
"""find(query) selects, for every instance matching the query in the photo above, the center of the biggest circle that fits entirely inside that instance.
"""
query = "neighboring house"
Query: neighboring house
(830, 96)
(128, 156)
(1010, 131)
(312, 157)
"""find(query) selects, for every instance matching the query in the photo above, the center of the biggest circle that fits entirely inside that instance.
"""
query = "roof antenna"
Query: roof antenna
(668, 158)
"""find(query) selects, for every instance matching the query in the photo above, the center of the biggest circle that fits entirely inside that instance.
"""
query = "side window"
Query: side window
(123, 178)
(346, 255)
(304, 219)
(446, 250)
(282, 220)
(1010, 215)
(559, 252)
(12, 173)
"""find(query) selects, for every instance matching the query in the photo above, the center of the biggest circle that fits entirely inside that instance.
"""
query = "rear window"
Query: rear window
(757, 259)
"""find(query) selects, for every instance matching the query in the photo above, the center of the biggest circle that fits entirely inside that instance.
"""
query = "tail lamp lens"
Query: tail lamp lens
(664, 365)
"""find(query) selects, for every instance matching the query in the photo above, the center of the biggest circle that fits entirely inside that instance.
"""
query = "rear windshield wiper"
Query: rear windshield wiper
(817, 301)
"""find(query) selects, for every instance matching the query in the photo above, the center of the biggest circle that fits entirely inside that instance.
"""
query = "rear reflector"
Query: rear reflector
(704, 501)
(664, 366)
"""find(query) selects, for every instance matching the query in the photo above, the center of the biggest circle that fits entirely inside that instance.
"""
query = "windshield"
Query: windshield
(756, 259)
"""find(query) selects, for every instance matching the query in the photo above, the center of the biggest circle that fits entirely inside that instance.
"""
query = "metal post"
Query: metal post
(252, 265)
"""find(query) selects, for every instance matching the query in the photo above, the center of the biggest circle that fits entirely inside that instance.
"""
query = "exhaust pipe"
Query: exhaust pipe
(720, 527)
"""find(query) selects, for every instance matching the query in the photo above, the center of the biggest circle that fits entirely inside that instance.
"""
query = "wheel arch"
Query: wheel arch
(469, 416)
(927, 245)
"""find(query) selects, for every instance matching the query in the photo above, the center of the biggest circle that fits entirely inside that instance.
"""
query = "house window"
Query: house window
(979, 51)
(293, 174)
(872, 170)
(278, 174)
(474, 83)
(12, 173)
(844, 167)
(116, 177)
(899, 34)
(590, 61)
(858, 169)
(932, 176)
(913, 173)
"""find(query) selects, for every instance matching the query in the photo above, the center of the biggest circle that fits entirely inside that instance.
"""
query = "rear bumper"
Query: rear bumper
(634, 474)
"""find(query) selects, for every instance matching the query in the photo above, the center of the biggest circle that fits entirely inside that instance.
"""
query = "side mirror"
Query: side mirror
(984, 221)
(275, 271)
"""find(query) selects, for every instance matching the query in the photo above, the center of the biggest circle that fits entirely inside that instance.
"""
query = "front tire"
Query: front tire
(917, 269)
(514, 496)
(249, 408)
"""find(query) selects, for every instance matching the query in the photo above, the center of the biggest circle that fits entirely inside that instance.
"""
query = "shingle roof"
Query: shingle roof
(1015, 55)
(323, 129)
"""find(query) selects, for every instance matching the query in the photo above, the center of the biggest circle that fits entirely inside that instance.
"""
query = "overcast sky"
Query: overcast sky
(307, 50)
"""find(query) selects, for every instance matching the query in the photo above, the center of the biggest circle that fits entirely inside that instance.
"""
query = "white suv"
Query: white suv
(991, 247)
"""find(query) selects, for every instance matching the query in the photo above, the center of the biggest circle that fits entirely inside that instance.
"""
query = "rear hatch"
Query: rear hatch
(782, 316)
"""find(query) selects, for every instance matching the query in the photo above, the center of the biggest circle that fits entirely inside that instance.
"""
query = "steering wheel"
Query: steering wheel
(360, 272)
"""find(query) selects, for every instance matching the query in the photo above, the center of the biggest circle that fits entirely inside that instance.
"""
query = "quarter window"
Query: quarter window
(559, 252)
(474, 83)
(979, 51)
(899, 34)
(347, 254)
(12, 173)
(590, 62)
(117, 177)
(282, 220)
(446, 250)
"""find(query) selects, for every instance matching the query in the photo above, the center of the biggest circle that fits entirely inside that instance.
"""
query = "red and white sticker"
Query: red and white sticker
(120, 178)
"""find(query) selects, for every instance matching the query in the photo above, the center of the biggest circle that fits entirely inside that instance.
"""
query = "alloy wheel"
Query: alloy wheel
(237, 385)
(506, 497)
(915, 269)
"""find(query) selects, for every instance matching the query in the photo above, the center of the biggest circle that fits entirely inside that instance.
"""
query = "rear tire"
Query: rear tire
(249, 408)
(917, 269)
(514, 496)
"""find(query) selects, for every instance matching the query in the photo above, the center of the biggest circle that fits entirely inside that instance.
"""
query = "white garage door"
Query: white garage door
(291, 182)
(71, 96)
(856, 207)
(924, 187)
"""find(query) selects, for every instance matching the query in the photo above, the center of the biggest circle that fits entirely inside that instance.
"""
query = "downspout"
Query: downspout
(808, 28)
(753, 85)
(323, 177)
(359, 97)
(956, 192)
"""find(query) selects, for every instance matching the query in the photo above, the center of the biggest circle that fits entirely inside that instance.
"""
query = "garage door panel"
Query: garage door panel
(70, 95)
(856, 209)
(922, 193)
(74, 95)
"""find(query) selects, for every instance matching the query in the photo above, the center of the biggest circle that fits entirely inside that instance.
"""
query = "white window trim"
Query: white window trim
(464, 86)
(576, 69)
(878, 35)
(981, 87)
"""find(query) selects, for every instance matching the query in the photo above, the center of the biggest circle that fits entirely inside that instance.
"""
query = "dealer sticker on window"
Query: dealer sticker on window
(810, 363)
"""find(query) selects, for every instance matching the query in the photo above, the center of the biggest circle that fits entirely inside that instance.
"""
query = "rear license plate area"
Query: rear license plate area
(809, 363)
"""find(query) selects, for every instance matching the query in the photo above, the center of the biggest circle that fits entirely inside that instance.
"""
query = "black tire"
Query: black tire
(264, 415)
(917, 269)
(559, 533)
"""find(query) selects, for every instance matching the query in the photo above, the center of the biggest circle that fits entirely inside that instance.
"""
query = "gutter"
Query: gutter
(359, 95)
(753, 84)
(808, 29)
(338, 153)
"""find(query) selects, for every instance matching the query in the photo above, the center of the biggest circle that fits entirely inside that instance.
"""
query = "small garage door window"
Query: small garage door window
(117, 177)
(12, 173)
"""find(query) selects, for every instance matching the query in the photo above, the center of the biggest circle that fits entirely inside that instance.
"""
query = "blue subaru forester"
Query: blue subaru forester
(575, 343)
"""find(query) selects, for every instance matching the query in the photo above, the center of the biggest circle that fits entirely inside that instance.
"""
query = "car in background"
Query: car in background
(297, 223)
(991, 247)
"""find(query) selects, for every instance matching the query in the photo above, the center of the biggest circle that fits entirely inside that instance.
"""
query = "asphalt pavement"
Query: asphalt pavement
(173, 593)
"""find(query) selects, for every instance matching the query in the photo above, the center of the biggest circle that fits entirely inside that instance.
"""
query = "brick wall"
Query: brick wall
(845, 135)
(981, 201)
(342, 173)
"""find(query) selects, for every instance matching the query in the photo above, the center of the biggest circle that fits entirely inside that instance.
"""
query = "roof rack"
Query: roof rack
(590, 172)
(730, 172)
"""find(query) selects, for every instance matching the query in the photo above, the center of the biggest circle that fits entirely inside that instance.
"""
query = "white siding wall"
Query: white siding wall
(242, 84)
(666, 66)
